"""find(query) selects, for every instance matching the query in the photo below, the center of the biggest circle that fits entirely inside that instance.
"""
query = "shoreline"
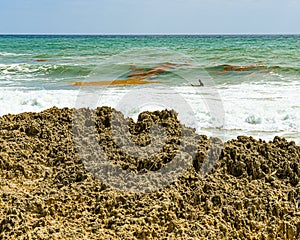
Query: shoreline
(224, 134)
(250, 191)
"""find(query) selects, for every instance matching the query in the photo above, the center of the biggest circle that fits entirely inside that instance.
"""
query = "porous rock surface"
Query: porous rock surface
(47, 192)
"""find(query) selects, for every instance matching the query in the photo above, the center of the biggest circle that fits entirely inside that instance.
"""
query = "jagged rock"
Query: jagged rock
(244, 189)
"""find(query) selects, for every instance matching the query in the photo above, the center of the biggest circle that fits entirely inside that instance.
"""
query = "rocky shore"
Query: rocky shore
(47, 190)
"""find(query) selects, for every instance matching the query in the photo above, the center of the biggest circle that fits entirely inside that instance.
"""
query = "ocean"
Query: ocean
(251, 82)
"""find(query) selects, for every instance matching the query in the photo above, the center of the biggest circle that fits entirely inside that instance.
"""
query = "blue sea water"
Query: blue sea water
(254, 79)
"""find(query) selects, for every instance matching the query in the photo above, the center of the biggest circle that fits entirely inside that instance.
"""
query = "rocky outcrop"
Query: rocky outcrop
(47, 192)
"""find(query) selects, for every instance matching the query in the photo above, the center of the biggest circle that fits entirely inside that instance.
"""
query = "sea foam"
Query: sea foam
(260, 110)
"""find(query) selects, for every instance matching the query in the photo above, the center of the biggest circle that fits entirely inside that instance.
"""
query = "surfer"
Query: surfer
(200, 84)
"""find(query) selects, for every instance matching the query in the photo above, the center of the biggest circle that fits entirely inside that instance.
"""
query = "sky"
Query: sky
(149, 16)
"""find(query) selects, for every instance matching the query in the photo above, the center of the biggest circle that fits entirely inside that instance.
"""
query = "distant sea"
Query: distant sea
(256, 77)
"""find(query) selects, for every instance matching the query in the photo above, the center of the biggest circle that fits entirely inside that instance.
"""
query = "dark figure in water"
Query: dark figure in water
(200, 84)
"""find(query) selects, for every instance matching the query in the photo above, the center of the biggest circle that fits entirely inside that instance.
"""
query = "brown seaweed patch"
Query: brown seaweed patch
(138, 76)
(224, 69)
(234, 68)
(123, 82)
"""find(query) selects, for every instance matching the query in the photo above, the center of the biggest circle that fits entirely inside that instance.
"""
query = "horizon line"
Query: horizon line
(145, 34)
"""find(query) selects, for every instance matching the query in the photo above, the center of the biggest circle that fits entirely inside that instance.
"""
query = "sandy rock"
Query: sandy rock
(47, 191)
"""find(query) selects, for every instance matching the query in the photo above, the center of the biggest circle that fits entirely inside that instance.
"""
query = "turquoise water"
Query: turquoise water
(257, 78)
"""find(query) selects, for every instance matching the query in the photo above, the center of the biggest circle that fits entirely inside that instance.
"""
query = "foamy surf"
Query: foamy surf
(258, 110)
